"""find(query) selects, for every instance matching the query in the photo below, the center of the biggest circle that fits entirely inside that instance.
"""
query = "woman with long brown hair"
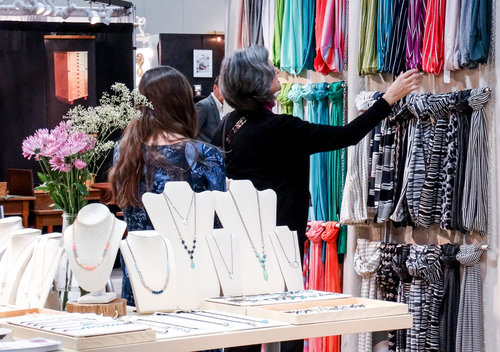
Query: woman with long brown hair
(160, 147)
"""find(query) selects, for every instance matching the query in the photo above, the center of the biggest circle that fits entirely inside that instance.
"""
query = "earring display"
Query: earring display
(139, 273)
(170, 206)
(261, 257)
(278, 298)
(104, 252)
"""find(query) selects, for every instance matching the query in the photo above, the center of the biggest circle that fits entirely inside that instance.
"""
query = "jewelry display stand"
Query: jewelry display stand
(7, 226)
(185, 218)
(224, 247)
(286, 248)
(16, 256)
(91, 245)
(40, 272)
(149, 258)
(251, 215)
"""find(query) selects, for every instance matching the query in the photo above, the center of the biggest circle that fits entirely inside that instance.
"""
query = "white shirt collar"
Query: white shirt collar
(217, 103)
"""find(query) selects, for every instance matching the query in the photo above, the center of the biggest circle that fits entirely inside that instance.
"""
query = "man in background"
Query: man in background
(209, 111)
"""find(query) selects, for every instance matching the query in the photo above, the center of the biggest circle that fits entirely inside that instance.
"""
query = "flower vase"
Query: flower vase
(65, 274)
(67, 220)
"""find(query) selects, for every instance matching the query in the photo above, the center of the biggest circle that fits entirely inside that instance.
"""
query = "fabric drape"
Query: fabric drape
(339, 34)
(234, 22)
(395, 59)
(399, 265)
(480, 31)
(279, 8)
(295, 96)
(470, 311)
(464, 33)
(366, 263)
(284, 100)
(245, 24)
(316, 271)
(308, 37)
(291, 38)
(332, 275)
(388, 280)
(451, 34)
(319, 64)
(433, 46)
(255, 22)
(367, 61)
(475, 195)
(268, 25)
(384, 29)
(415, 33)
(448, 312)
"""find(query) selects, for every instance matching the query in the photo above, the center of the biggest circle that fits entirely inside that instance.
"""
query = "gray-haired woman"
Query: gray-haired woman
(273, 150)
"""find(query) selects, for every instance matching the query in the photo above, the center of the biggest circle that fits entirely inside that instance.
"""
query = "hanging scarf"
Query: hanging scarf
(405, 279)
(308, 37)
(367, 61)
(475, 197)
(291, 40)
(339, 34)
(332, 277)
(295, 96)
(326, 48)
(384, 29)
(480, 31)
(433, 46)
(268, 24)
(255, 25)
(282, 98)
(319, 64)
(448, 312)
(388, 280)
(395, 59)
(464, 33)
(451, 35)
(415, 33)
(278, 27)
(470, 311)
(245, 24)
(234, 18)
(305, 264)
(366, 262)
(316, 272)
(425, 297)
(373, 161)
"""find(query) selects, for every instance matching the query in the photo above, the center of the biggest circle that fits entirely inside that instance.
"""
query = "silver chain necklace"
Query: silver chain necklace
(261, 258)
(230, 272)
(294, 264)
(171, 205)
(167, 276)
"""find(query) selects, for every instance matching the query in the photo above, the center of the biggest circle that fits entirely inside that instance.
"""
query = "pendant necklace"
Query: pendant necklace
(104, 252)
(260, 257)
(230, 272)
(171, 206)
(46, 274)
(167, 276)
(295, 263)
(7, 260)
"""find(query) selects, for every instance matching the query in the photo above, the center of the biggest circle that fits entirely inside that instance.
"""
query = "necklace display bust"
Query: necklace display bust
(7, 227)
(91, 244)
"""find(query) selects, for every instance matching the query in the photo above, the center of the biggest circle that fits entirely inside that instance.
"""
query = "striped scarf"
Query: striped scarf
(405, 279)
(415, 33)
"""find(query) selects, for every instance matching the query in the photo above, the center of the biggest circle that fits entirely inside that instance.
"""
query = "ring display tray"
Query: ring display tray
(329, 310)
(239, 304)
(80, 331)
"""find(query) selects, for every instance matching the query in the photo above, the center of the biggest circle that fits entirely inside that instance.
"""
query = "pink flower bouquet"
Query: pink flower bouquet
(62, 154)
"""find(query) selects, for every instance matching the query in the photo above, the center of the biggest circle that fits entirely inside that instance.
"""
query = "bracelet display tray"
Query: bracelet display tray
(239, 304)
(133, 336)
(329, 310)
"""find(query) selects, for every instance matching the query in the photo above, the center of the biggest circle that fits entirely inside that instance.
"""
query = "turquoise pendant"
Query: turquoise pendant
(266, 277)
(192, 265)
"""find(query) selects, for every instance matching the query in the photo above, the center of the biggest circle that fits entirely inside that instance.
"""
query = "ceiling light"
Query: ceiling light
(66, 12)
(38, 8)
(93, 16)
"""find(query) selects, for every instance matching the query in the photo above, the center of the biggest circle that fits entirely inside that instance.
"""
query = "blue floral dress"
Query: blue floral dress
(206, 173)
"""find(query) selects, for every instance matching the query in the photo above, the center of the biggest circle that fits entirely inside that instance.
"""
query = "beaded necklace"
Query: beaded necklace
(104, 252)
(167, 276)
(260, 257)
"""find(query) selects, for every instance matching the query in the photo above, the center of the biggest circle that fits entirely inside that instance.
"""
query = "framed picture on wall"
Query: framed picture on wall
(202, 63)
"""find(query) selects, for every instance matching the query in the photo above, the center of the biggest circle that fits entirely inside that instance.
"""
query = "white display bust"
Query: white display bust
(224, 247)
(94, 229)
(286, 247)
(7, 227)
(149, 255)
(40, 272)
(241, 216)
(199, 278)
(14, 260)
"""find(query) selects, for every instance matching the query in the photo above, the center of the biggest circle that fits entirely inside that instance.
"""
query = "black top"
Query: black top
(273, 152)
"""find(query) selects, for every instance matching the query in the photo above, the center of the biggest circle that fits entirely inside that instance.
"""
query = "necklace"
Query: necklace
(261, 258)
(230, 273)
(294, 264)
(146, 286)
(106, 248)
(171, 205)
(7, 260)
